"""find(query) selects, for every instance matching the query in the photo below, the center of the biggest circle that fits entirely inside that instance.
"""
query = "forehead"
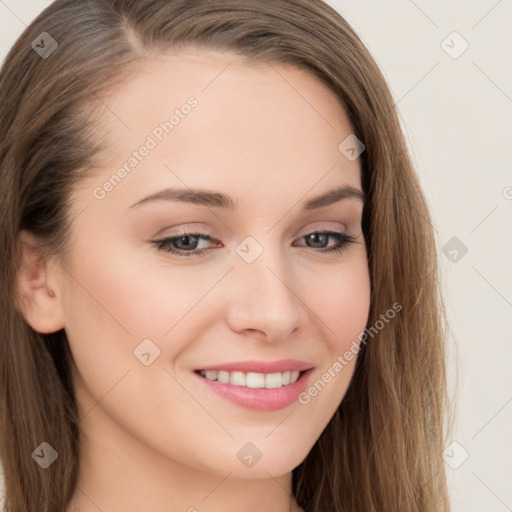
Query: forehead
(259, 126)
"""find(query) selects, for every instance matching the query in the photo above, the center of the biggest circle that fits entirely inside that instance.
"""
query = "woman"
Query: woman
(219, 280)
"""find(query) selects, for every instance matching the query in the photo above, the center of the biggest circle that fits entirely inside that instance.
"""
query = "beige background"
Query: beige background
(456, 108)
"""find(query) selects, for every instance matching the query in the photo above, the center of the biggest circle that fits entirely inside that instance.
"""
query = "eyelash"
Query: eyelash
(165, 244)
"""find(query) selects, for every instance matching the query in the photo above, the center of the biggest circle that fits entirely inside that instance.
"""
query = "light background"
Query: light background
(457, 117)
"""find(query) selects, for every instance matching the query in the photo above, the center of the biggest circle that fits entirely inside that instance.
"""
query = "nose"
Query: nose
(264, 298)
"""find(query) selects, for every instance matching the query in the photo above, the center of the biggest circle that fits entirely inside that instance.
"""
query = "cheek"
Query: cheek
(134, 296)
(111, 306)
(342, 301)
(114, 304)
(342, 305)
(345, 307)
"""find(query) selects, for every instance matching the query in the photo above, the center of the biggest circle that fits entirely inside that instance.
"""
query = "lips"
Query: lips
(269, 386)
(281, 366)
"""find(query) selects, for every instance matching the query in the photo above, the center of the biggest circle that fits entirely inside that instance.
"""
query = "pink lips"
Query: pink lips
(260, 399)
(283, 365)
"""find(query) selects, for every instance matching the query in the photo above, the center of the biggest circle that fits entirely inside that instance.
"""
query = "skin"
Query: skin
(155, 437)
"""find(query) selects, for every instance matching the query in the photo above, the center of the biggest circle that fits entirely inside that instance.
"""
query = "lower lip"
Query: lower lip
(260, 399)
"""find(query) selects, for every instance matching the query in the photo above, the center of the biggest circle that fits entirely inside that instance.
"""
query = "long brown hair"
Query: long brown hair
(382, 450)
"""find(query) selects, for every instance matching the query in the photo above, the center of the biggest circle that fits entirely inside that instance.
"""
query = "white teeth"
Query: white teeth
(223, 377)
(255, 380)
(273, 380)
(237, 379)
(252, 379)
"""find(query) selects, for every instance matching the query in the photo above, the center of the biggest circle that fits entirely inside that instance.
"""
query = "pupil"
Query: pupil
(318, 238)
(182, 241)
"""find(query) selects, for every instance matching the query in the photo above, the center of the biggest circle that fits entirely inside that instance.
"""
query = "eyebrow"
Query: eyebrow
(219, 200)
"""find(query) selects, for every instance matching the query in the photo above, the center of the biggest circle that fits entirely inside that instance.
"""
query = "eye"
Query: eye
(186, 244)
(320, 240)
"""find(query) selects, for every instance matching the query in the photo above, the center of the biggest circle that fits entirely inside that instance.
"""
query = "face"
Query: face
(163, 280)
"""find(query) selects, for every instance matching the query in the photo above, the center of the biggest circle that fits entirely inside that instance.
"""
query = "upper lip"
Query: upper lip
(282, 365)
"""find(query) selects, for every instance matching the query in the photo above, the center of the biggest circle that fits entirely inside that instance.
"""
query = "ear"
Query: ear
(39, 299)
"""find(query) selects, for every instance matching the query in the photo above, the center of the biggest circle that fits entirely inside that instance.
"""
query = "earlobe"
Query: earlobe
(38, 298)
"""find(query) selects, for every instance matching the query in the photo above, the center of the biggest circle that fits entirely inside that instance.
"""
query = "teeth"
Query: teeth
(223, 377)
(273, 380)
(237, 379)
(252, 379)
(255, 380)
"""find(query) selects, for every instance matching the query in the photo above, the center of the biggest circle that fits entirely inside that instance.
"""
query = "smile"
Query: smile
(262, 392)
(252, 379)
